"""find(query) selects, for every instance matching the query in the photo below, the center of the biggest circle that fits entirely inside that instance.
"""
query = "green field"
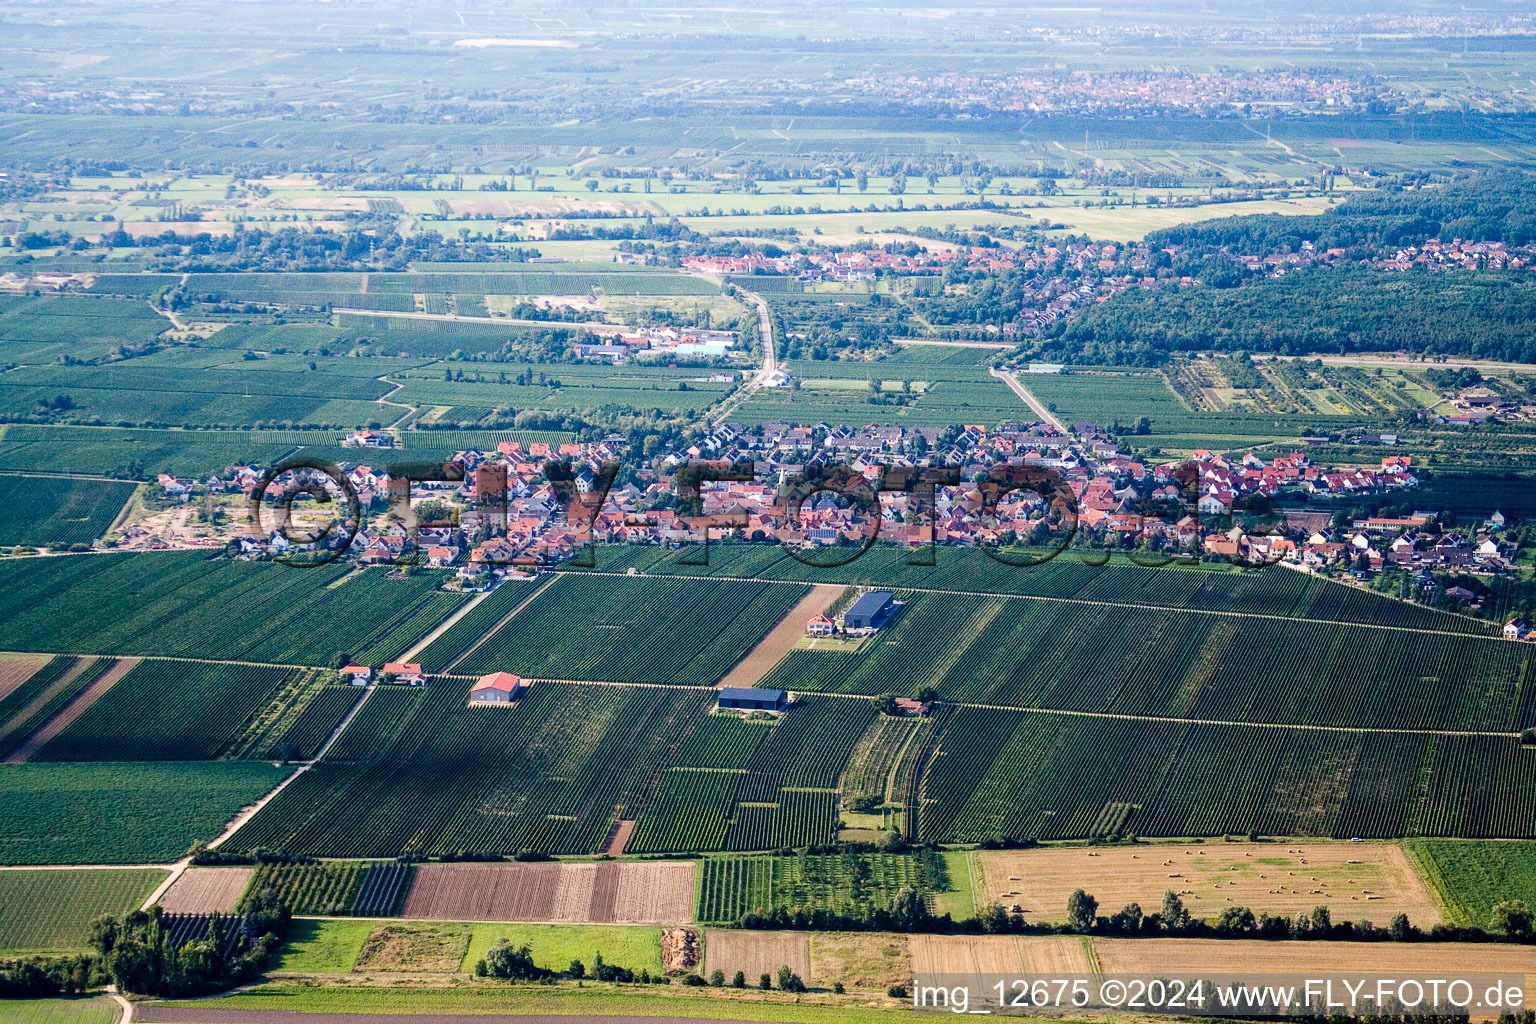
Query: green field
(563, 1000)
(323, 947)
(48, 910)
(38, 511)
(170, 711)
(849, 883)
(99, 1010)
(186, 603)
(114, 813)
(1469, 878)
(637, 947)
(632, 630)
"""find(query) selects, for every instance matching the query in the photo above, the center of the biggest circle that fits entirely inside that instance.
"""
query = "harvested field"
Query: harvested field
(71, 711)
(654, 893)
(16, 669)
(781, 639)
(860, 960)
(999, 954)
(434, 949)
(631, 893)
(1161, 956)
(206, 891)
(1278, 878)
(756, 953)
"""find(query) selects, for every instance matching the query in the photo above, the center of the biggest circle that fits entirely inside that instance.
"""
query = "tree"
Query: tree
(740, 980)
(577, 969)
(994, 918)
(908, 909)
(717, 978)
(1128, 918)
(1172, 914)
(1236, 922)
(1082, 911)
(789, 981)
(1400, 929)
(861, 181)
(591, 185)
(765, 981)
(1321, 921)
(1511, 918)
(886, 704)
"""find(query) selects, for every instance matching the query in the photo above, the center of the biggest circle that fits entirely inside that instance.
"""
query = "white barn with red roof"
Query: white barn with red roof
(496, 688)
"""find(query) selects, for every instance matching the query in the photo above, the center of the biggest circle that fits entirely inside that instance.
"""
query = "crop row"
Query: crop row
(167, 711)
(1000, 773)
(642, 631)
(1095, 657)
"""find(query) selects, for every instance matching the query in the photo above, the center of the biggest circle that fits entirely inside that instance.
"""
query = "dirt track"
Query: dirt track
(759, 661)
(71, 711)
(198, 1015)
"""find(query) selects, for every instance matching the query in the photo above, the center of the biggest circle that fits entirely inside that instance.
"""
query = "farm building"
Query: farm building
(820, 625)
(869, 611)
(742, 698)
(408, 672)
(496, 688)
(357, 675)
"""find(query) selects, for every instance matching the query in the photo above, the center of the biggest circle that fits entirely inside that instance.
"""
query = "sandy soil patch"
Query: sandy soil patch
(1162, 956)
(434, 949)
(1353, 880)
(756, 953)
(206, 891)
(860, 960)
(998, 954)
(618, 838)
(653, 892)
(16, 669)
(577, 893)
(781, 639)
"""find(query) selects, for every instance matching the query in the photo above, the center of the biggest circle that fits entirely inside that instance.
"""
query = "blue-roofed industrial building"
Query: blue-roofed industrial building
(744, 698)
(869, 611)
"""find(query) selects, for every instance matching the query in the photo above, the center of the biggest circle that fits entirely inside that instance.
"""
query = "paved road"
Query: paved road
(1012, 380)
(765, 336)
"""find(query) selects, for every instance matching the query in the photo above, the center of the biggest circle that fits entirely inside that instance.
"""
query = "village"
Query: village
(505, 520)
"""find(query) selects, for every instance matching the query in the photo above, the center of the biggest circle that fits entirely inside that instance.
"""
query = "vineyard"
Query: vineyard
(56, 512)
(844, 883)
(336, 888)
(1096, 657)
(53, 910)
(995, 773)
(586, 627)
(437, 780)
(1267, 591)
(190, 604)
(42, 694)
(143, 813)
(167, 711)
(314, 724)
(1469, 878)
(742, 785)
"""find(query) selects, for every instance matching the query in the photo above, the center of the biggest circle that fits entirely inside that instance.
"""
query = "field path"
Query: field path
(71, 711)
(1038, 407)
(247, 813)
(447, 624)
(535, 592)
(759, 661)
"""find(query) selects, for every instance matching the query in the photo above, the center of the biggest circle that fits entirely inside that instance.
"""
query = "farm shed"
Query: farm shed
(496, 688)
(748, 699)
(869, 611)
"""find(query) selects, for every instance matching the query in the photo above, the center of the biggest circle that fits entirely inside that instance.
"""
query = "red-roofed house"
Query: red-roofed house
(496, 688)
(408, 672)
(820, 625)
